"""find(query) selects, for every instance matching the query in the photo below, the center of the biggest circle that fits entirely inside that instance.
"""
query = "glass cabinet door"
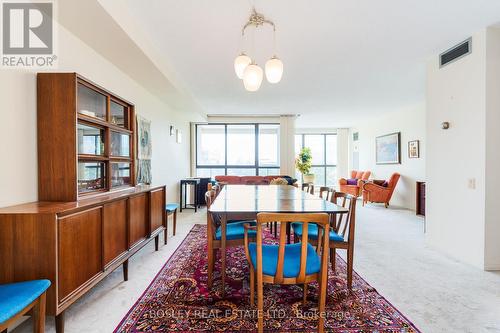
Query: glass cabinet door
(120, 144)
(119, 115)
(91, 176)
(90, 140)
(120, 174)
(91, 103)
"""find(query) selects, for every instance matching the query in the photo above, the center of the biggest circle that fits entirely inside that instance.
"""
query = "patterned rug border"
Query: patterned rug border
(198, 225)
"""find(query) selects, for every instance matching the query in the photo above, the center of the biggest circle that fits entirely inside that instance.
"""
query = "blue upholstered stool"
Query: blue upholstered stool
(171, 208)
(16, 299)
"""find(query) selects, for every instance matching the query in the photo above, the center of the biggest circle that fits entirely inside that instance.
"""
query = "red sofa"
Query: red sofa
(246, 180)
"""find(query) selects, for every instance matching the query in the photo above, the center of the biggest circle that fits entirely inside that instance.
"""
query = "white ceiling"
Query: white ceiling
(343, 59)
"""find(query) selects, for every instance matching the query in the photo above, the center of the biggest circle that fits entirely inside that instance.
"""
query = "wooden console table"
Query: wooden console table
(76, 244)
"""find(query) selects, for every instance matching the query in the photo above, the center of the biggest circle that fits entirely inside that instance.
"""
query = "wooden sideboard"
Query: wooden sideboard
(76, 244)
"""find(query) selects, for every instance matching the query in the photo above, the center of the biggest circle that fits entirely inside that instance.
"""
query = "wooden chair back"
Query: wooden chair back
(308, 187)
(324, 192)
(321, 219)
(344, 223)
(209, 197)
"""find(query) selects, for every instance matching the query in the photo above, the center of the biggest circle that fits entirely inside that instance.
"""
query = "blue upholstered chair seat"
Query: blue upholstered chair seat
(170, 207)
(235, 230)
(312, 231)
(14, 297)
(291, 265)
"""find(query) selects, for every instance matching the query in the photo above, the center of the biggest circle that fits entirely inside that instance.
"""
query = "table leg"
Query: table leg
(195, 197)
(185, 195)
(223, 224)
(180, 197)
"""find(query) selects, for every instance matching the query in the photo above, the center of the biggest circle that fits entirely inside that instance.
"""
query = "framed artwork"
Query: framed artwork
(388, 149)
(171, 130)
(414, 149)
(144, 151)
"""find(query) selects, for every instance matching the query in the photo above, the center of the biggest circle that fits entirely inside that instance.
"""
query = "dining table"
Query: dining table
(244, 202)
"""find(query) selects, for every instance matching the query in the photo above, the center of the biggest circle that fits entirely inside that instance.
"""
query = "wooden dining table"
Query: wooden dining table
(244, 202)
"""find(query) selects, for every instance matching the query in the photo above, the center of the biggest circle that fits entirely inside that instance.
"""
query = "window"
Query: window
(324, 156)
(237, 149)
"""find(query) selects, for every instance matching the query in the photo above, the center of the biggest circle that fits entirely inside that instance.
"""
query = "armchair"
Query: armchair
(354, 185)
(379, 190)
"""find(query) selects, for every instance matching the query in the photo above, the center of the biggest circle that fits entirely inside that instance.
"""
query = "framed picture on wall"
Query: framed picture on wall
(388, 148)
(414, 149)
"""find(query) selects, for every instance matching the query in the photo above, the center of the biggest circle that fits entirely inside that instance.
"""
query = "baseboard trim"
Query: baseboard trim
(492, 268)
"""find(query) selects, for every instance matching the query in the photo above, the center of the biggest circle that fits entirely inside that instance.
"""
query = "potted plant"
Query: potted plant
(303, 163)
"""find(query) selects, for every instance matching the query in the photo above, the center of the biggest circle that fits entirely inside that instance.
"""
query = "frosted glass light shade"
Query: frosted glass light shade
(252, 77)
(240, 63)
(274, 70)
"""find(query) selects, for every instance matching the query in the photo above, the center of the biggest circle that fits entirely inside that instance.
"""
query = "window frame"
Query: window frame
(324, 165)
(226, 166)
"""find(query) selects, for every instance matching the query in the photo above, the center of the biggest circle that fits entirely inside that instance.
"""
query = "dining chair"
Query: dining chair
(170, 209)
(341, 233)
(297, 263)
(308, 187)
(18, 299)
(235, 233)
(324, 192)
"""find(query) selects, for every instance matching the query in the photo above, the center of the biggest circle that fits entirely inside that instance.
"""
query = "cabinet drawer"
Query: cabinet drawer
(80, 249)
(157, 209)
(114, 230)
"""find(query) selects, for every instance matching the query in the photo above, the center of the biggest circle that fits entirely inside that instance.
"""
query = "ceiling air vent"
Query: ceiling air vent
(456, 52)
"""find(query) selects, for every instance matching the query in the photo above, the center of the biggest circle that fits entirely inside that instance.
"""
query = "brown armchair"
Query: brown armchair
(380, 190)
(354, 185)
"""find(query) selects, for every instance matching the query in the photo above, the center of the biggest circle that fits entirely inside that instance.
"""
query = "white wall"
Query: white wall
(411, 124)
(492, 222)
(18, 170)
(462, 220)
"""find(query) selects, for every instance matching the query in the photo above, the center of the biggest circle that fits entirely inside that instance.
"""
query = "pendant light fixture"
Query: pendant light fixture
(246, 68)
(252, 77)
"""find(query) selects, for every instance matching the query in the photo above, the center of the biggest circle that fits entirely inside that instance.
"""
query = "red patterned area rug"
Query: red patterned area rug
(178, 300)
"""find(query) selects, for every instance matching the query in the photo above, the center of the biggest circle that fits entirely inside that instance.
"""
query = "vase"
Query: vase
(308, 178)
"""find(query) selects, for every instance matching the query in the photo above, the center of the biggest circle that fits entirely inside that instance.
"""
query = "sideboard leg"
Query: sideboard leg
(60, 323)
(157, 241)
(125, 270)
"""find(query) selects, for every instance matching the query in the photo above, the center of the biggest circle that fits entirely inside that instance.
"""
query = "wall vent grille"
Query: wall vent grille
(457, 52)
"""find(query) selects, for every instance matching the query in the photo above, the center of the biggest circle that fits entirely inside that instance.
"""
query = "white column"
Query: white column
(287, 145)
(342, 152)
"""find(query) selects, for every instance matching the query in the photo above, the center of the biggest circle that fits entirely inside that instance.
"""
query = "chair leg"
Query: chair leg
(386, 204)
(39, 315)
(252, 287)
(165, 232)
(321, 306)
(211, 262)
(333, 258)
(260, 305)
(175, 221)
(304, 295)
(350, 259)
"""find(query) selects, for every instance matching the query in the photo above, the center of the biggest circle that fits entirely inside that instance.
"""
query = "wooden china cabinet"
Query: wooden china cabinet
(91, 216)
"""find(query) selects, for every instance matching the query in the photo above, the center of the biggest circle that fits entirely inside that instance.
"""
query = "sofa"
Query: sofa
(380, 190)
(354, 185)
(250, 180)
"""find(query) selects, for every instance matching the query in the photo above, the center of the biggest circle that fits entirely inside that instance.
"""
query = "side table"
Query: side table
(183, 193)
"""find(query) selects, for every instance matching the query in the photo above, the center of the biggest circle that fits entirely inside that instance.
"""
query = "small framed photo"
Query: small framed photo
(171, 130)
(414, 149)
